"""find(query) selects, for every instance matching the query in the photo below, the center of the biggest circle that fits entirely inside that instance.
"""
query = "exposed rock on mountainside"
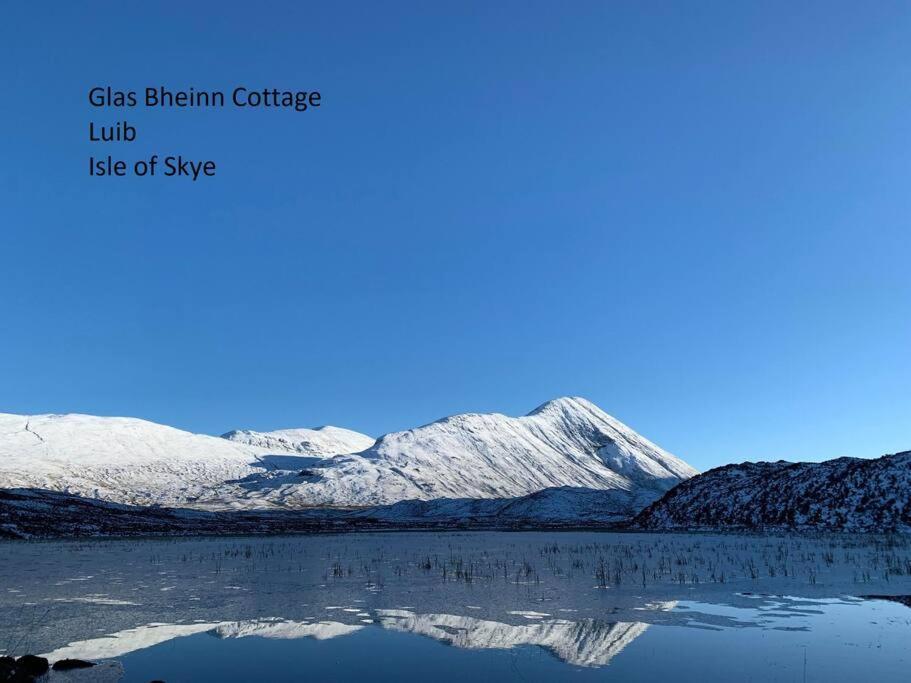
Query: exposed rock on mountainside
(846, 494)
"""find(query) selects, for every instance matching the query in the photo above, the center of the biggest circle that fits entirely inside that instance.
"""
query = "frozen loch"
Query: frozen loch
(454, 606)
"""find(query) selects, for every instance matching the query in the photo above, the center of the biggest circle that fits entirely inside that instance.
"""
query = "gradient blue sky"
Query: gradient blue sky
(694, 214)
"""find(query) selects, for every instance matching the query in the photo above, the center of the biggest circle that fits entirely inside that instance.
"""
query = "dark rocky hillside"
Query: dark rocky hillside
(846, 494)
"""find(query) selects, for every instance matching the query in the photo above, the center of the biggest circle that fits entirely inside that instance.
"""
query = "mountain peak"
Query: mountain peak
(566, 404)
(567, 441)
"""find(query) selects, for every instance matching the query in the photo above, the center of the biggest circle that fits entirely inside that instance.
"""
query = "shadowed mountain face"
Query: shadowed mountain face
(36, 513)
(568, 445)
(846, 494)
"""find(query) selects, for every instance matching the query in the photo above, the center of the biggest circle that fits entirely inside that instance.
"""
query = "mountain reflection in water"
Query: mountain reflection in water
(581, 600)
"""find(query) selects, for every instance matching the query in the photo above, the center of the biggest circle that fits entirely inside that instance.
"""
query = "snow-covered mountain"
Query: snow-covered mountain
(136, 462)
(846, 494)
(320, 442)
(567, 442)
(124, 460)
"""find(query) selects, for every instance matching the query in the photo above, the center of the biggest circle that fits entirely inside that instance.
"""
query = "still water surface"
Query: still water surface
(462, 606)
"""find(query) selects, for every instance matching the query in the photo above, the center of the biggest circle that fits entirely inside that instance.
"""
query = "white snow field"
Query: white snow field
(323, 441)
(567, 442)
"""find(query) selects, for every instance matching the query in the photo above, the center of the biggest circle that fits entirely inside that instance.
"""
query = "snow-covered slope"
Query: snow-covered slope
(846, 494)
(118, 459)
(320, 442)
(132, 461)
(565, 442)
(568, 442)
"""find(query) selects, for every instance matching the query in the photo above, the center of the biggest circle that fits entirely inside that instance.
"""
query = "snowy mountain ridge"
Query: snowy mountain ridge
(564, 442)
(321, 441)
(568, 442)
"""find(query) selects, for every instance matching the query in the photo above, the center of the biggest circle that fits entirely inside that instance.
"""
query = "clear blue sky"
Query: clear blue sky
(697, 215)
